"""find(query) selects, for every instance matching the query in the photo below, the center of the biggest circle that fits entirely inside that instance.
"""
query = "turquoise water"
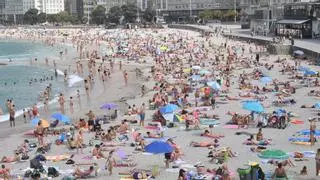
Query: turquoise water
(15, 79)
(24, 50)
(14, 84)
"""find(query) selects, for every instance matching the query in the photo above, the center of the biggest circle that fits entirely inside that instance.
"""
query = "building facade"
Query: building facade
(180, 10)
(74, 8)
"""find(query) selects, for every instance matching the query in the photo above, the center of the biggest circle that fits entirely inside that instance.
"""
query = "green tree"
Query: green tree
(206, 15)
(129, 12)
(98, 15)
(115, 14)
(52, 18)
(63, 16)
(230, 14)
(217, 14)
(31, 16)
(42, 17)
(149, 14)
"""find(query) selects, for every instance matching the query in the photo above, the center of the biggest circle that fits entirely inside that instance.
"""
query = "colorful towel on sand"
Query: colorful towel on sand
(165, 138)
(209, 122)
(57, 158)
(296, 121)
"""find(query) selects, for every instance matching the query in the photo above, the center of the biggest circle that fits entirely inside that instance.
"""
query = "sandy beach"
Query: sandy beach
(115, 90)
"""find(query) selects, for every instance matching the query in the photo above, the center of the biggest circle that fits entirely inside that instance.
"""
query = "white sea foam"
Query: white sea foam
(73, 79)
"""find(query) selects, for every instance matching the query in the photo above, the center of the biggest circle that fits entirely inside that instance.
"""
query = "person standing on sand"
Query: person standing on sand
(61, 102)
(12, 113)
(142, 114)
(39, 132)
(71, 105)
(318, 162)
(120, 65)
(125, 76)
(313, 127)
(79, 141)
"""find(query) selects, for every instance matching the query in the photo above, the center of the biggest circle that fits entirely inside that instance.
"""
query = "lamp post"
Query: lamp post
(190, 6)
(235, 11)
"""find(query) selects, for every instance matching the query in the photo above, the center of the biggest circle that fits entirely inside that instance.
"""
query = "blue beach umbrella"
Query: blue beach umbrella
(158, 147)
(254, 106)
(266, 80)
(195, 77)
(109, 106)
(303, 68)
(169, 108)
(214, 85)
(63, 118)
(317, 105)
(310, 72)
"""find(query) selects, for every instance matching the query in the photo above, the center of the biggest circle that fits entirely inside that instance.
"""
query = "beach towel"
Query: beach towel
(165, 138)
(57, 158)
(231, 126)
(302, 143)
(296, 121)
(300, 139)
(209, 122)
(151, 127)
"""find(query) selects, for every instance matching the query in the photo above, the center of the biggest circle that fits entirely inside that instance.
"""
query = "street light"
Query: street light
(235, 11)
(190, 8)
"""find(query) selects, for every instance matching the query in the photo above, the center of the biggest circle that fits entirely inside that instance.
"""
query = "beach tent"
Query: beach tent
(273, 154)
(254, 106)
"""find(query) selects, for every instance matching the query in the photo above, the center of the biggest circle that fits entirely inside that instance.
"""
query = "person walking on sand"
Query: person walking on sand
(71, 105)
(312, 131)
(110, 162)
(125, 76)
(12, 113)
(61, 102)
(318, 162)
(79, 141)
(142, 114)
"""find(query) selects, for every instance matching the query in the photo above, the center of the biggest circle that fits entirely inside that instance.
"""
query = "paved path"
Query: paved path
(307, 44)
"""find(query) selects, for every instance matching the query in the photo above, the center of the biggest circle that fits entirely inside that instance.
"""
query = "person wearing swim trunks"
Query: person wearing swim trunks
(12, 113)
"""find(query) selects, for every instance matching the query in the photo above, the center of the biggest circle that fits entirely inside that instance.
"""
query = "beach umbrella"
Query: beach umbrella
(109, 106)
(168, 117)
(44, 123)
(63, 118)
(214, 85)
(158, 147)
(196, 77)
(317, 105)
(254, 106)
(310, 72)
(298, 53)
(204, 72)
(306, 132)
(169, 108)
(266, 80)
(196, 67)
(303, 68)
(273, 154)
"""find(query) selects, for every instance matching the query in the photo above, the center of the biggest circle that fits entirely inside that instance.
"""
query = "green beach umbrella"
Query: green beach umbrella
(273, 154)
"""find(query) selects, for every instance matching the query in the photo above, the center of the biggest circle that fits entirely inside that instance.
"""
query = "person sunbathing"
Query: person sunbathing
(307, 106)
(210, 135)
(261, 142)
(97, 152)
(284, 162)
(232, 98)
(202, 144)
(150, 135)
(7, 159)
(78, 173)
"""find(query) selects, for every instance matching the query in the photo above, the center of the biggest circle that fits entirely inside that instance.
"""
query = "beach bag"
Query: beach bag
(28, 173)
(219, 171)
(52, 172)
(25, 157)
(36, 174)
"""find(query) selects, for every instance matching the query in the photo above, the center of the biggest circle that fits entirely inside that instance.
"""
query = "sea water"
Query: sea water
(22, 83)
